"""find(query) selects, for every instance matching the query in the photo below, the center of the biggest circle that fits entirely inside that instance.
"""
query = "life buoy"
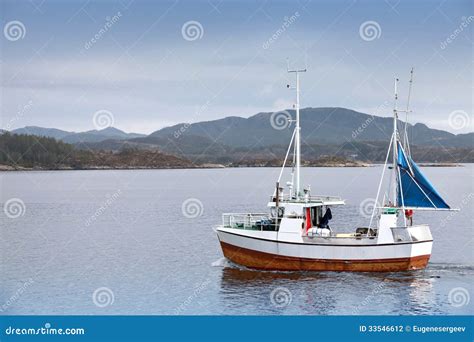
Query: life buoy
(408, 213)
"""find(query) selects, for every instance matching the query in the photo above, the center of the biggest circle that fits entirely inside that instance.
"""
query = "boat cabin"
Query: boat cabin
(312, 213)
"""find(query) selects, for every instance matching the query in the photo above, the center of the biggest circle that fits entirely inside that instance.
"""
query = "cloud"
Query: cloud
(162, 78)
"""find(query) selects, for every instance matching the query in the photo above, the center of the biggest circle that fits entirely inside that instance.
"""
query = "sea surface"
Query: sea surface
(142, 242)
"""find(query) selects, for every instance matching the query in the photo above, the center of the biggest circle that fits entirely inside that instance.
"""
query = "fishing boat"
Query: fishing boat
(295, 234)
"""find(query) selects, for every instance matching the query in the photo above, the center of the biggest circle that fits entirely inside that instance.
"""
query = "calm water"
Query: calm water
(123, 235)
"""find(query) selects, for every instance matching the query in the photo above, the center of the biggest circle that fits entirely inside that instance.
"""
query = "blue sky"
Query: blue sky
(148, 74)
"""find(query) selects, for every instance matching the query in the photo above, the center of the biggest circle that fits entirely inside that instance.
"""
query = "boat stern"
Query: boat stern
(422, 244)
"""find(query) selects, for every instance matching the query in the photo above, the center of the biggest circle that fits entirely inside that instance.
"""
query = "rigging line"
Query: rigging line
(405, 139)
(408, 161)
(390, 182)
(380, 185)
(401, 191)
(424, 193)
(286, 157)
(293, 167)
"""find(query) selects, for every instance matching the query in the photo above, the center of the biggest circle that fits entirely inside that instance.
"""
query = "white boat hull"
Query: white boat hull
(266, 250)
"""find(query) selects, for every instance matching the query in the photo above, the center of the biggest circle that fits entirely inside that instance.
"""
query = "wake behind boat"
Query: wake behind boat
(295, 234)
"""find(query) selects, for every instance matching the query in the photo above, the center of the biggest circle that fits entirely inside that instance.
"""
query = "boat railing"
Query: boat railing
(252, 221)
(304, 199)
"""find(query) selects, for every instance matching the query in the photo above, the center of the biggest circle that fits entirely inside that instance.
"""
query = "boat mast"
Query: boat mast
(394, 146)
(297, 130)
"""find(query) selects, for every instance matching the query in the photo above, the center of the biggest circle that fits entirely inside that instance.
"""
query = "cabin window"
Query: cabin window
(277, 212)
(326, 217)
(315, 214)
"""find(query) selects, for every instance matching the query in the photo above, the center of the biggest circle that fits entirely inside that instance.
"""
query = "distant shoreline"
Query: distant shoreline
(8, 168)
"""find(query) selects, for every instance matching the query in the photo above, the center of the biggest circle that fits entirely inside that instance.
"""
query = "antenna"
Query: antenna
(297, 128)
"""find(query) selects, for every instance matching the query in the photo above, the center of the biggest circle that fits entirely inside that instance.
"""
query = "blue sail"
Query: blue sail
(417, 191)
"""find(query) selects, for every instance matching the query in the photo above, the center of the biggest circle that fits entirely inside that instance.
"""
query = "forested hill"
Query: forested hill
(27, 151)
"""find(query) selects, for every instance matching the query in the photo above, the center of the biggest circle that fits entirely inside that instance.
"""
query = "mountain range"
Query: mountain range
(73, 137)
(318, 126)
(324, 131)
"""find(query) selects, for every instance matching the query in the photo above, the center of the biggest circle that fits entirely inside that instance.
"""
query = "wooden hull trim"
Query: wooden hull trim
(266, 261)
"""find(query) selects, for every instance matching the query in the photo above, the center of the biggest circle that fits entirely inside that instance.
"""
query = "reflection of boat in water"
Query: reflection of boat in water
(236, 276)
(296, 234)
(326, 293)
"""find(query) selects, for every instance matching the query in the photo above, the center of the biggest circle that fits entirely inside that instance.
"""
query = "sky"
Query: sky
(143, 65)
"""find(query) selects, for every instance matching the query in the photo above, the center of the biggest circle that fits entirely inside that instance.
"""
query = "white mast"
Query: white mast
(394, 152)
(297, 129)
